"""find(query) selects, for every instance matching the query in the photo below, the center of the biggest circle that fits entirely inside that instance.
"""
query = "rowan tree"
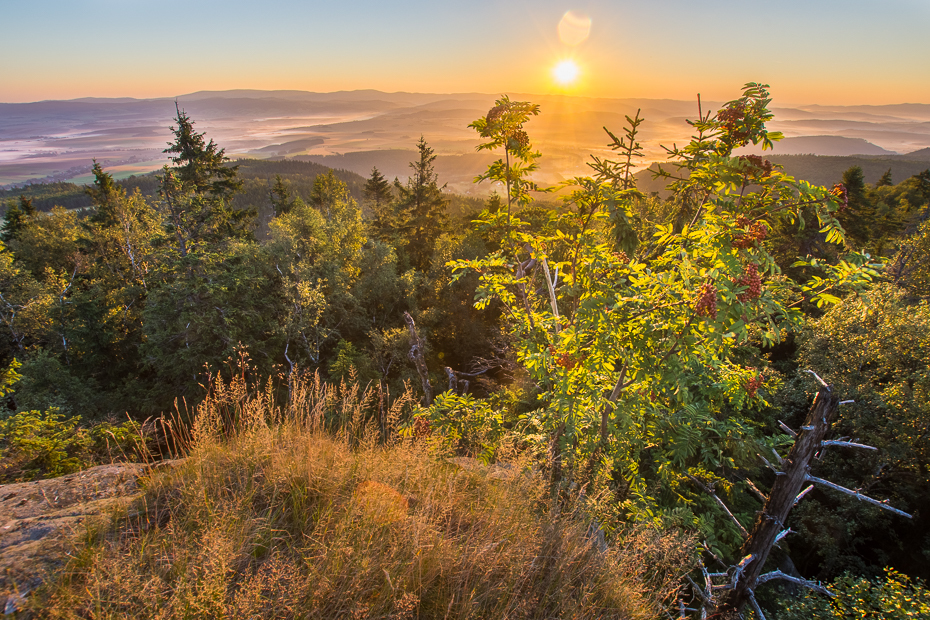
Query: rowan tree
(644, 363)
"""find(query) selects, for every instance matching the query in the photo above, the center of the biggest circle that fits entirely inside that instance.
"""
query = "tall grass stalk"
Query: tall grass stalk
(299, 510)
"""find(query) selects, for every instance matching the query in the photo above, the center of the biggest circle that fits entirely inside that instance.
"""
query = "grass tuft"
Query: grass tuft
(301, 512)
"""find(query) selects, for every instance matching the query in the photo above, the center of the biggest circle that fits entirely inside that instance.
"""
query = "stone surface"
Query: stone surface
(38, 521)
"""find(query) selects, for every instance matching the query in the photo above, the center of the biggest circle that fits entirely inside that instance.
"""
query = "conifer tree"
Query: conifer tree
(885, 180)
(379, 196)
(105, 195)
(860, 213)
(923, 184)
(196, 192)
(16, 217)
(281, 201)
(377, 189)
(201, 164)
(422, 207)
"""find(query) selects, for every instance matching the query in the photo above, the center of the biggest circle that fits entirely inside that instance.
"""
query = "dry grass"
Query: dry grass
(275, 514)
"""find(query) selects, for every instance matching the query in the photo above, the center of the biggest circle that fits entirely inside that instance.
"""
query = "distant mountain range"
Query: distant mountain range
(355, 130)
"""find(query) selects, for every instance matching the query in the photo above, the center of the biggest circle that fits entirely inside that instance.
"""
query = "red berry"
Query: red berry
(707, 301)
(752, 280)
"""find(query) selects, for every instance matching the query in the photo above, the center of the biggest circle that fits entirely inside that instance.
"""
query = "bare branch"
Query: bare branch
(816, 376)
(720, 503)
(696, 588)
(755, 605)
(416, 356)
(550, 284)
(713, 555)
(756, 490)
(777, 574)
(847, 402)
(859, 496)
(802, 494)
(740, 568)
(787, 429)
(782, 534)
(848, 444)
(781, 461)
(777, 471)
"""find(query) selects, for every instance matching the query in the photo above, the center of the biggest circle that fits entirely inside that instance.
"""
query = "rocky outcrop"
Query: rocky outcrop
(38, 521)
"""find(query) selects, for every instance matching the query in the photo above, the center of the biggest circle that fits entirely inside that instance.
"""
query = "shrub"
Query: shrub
(896, 597)
(46, 444)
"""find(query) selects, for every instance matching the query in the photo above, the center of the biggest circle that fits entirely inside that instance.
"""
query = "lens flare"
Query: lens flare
(574, 28)
(566, 72)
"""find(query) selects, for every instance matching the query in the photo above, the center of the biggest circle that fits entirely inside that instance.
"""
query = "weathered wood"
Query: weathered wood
(416, 356)
(859, 496)
(771, 520)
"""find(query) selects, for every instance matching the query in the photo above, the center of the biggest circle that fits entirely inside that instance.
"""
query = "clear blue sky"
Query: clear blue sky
(813, 51)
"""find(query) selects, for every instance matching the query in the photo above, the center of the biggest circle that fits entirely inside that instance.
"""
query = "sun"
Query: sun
(566, 72)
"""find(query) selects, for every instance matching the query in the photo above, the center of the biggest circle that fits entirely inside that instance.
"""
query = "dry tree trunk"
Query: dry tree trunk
(416, 356)
(788, 484)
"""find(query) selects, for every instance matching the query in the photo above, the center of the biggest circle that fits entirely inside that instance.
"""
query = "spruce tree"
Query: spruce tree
(377, 189)
(16, 218)
(923, 184)
(885, 180)
(379, 196)
(859, 216)
(422, 208)
(105, 194)
(281, 201)
(196, 191)
(200, 164)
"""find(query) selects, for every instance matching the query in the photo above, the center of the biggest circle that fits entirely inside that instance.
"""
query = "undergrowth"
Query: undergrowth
(306, 511)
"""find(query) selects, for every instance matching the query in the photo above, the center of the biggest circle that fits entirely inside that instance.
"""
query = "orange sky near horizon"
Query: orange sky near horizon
(825, 52)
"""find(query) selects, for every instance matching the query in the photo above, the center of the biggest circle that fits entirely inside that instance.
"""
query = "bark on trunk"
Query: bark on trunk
(416, 356)
(788, 484)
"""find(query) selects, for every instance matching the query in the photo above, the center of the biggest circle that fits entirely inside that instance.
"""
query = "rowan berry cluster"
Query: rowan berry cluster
(731, 118)
(422, 428)
(757, 231)
(753, 385)
(707, 301)
(621, 257)
(564, 360)
(751, 279)
(839, 191)
(495, 113)
(763, 166)
(518, 140)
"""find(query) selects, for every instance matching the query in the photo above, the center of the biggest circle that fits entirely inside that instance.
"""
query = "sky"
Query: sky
(827, 52)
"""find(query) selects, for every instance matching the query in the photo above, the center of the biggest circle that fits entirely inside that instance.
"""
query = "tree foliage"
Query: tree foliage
(422, 208)
(645, 363)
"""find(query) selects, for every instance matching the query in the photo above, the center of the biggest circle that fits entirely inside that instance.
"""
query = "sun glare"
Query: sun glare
(566, 72)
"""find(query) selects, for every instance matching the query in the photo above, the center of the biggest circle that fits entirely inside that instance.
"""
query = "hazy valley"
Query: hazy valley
(356, 130)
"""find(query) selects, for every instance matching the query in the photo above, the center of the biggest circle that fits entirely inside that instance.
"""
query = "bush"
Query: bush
(46, 444)
(896, 597)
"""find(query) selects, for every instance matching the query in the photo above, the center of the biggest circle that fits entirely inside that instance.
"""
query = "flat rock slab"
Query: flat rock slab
(39, 519)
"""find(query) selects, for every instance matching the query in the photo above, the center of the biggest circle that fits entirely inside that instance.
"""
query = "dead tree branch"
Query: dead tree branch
(858, 495)
(848, 444)
(416, 356)
(720, 503)
(770, 521)
(777, 574)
